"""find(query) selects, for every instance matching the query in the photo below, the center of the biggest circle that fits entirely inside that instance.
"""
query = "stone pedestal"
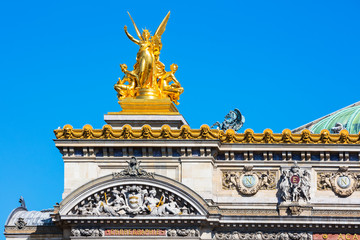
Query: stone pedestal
(137, 121)
(153, 112)
(147, 107)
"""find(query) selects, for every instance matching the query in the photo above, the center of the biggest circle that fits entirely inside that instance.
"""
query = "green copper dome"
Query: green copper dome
(348, 117)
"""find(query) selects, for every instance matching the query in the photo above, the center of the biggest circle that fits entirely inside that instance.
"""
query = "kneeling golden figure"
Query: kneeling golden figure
(173, 90)
(126, 90)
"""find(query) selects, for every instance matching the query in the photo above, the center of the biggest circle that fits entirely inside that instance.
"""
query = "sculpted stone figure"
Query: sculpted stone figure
(118, 203)
(295, 185)
(102, 207)
(337, 128)
(285, 186)
(172, 207)
(152, 202)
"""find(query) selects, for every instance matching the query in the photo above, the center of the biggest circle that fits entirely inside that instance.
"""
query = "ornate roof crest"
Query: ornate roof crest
(133, 170)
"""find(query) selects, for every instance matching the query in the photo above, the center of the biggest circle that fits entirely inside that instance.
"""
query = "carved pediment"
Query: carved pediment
(133, 199)
(114, 196)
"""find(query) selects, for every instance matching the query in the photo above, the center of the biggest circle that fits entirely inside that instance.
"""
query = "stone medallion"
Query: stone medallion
(343, 182)
(295, 179)
(249, 181)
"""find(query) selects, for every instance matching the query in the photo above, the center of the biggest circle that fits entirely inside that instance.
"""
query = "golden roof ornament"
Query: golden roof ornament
(148, 88)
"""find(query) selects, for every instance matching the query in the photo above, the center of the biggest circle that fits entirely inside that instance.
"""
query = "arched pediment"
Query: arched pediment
(119, 195)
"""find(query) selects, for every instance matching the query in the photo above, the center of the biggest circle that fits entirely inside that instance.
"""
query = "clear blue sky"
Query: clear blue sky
(282, 63)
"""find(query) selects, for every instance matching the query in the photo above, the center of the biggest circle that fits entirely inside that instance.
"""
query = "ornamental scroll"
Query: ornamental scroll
(249, 182)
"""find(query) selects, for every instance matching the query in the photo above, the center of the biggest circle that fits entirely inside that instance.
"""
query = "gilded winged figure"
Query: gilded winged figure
(149, 74)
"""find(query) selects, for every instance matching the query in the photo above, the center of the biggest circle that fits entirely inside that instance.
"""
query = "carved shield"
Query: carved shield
(134, 200)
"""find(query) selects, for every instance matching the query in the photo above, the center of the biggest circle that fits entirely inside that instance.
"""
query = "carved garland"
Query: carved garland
(206, 133)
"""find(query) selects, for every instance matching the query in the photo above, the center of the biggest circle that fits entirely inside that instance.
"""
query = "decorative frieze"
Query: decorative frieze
(99, 232)
(135, 232)
(338, 213)
(249, 182)
(263, 236)
(184, 232)
(343, 183)
(133, 200)
(249, 212)
(87, 232)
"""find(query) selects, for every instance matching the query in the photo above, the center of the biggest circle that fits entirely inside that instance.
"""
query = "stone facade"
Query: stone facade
(200, 189)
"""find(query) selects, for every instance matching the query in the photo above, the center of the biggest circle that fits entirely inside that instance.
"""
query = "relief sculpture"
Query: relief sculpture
(263, 236)
(249, 182)
(295, 185)
(343, 183)
(294, 192)
(133, 200)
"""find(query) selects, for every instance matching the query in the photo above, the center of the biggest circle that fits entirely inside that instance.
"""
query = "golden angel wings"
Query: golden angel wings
(149, 79)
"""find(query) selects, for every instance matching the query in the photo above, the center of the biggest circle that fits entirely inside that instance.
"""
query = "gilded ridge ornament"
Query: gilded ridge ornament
(230, 136)
(343, 183)
(148, 80)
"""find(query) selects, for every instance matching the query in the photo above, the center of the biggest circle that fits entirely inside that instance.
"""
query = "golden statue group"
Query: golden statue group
(149, 79)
